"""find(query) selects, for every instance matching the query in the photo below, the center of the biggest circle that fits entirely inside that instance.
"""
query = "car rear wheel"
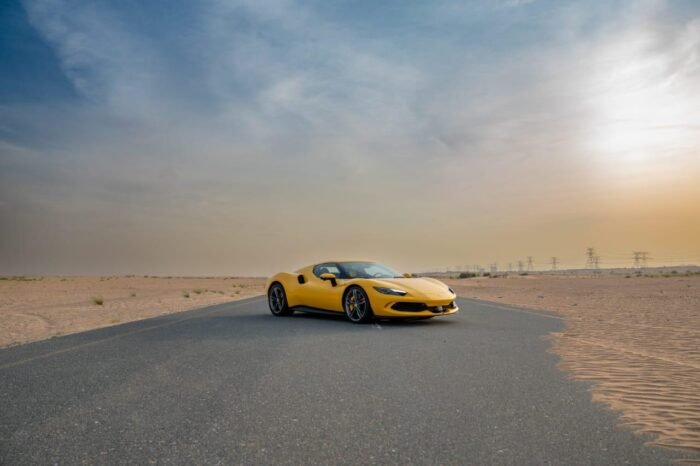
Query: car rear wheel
(277, 300)
(356, 306)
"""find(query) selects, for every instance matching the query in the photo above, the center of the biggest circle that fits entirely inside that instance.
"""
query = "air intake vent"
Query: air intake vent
(409, 307)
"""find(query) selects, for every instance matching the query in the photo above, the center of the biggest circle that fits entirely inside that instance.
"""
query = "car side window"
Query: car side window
(326, 268)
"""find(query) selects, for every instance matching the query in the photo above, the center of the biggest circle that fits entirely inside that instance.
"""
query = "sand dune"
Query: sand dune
(37, 308)
(637, 339)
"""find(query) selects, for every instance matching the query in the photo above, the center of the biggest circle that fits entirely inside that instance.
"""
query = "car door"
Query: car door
(321, 294)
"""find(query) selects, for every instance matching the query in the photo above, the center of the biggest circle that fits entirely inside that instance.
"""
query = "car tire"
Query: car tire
(356, 305)
(277, 300)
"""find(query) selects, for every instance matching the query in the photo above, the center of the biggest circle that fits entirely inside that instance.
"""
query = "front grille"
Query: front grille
(409, 307)
(419, 307)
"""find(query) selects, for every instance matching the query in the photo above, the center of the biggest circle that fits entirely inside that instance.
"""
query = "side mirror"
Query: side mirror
(408, 275)
(329, 276)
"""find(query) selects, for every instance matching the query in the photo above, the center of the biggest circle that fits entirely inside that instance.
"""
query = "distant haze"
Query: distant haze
(247, 137)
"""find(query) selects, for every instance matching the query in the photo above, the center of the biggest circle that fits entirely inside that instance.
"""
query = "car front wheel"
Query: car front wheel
(357, 307)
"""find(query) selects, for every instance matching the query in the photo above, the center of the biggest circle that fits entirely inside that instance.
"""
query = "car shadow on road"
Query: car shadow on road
(341, 319)
(412, 323)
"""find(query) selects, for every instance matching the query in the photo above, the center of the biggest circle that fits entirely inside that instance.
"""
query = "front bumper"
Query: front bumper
(392, 306)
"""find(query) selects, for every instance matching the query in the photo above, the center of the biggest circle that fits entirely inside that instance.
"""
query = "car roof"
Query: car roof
(334, 262)
(344, 261)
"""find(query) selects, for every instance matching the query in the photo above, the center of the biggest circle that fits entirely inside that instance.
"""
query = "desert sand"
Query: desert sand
(637, 339)
(35, 308)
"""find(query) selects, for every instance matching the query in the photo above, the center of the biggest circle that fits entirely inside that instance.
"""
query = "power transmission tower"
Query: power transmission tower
(493, 268)
(590, 258)
(596, 262)
(520, 266)
(530, 267)
(555, 261)
(640, 259)
(510, 266)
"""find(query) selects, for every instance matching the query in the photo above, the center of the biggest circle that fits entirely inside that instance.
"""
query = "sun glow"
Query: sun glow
(643, 108)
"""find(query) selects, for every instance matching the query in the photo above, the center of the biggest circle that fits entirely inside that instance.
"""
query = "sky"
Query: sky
(247, 137)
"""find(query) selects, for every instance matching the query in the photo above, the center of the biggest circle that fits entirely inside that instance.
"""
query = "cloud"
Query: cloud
(104, 59)
(516, 3)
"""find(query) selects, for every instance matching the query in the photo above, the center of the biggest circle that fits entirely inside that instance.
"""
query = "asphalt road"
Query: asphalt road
(232, 384)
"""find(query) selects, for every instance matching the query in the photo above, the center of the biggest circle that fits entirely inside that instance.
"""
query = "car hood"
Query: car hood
(422, 287)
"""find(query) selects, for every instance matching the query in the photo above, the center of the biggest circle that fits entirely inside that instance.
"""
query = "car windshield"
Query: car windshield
(367, 270)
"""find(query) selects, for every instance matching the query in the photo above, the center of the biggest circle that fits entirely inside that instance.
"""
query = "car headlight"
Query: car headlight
(451, 290)
(390, 291)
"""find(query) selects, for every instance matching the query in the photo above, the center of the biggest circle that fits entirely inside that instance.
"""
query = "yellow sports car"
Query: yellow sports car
(361, 290)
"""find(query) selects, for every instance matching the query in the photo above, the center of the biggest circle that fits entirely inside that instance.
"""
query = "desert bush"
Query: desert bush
(98, 301)
(21, 278)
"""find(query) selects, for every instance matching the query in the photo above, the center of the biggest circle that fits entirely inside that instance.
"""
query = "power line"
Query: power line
(594, 262)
